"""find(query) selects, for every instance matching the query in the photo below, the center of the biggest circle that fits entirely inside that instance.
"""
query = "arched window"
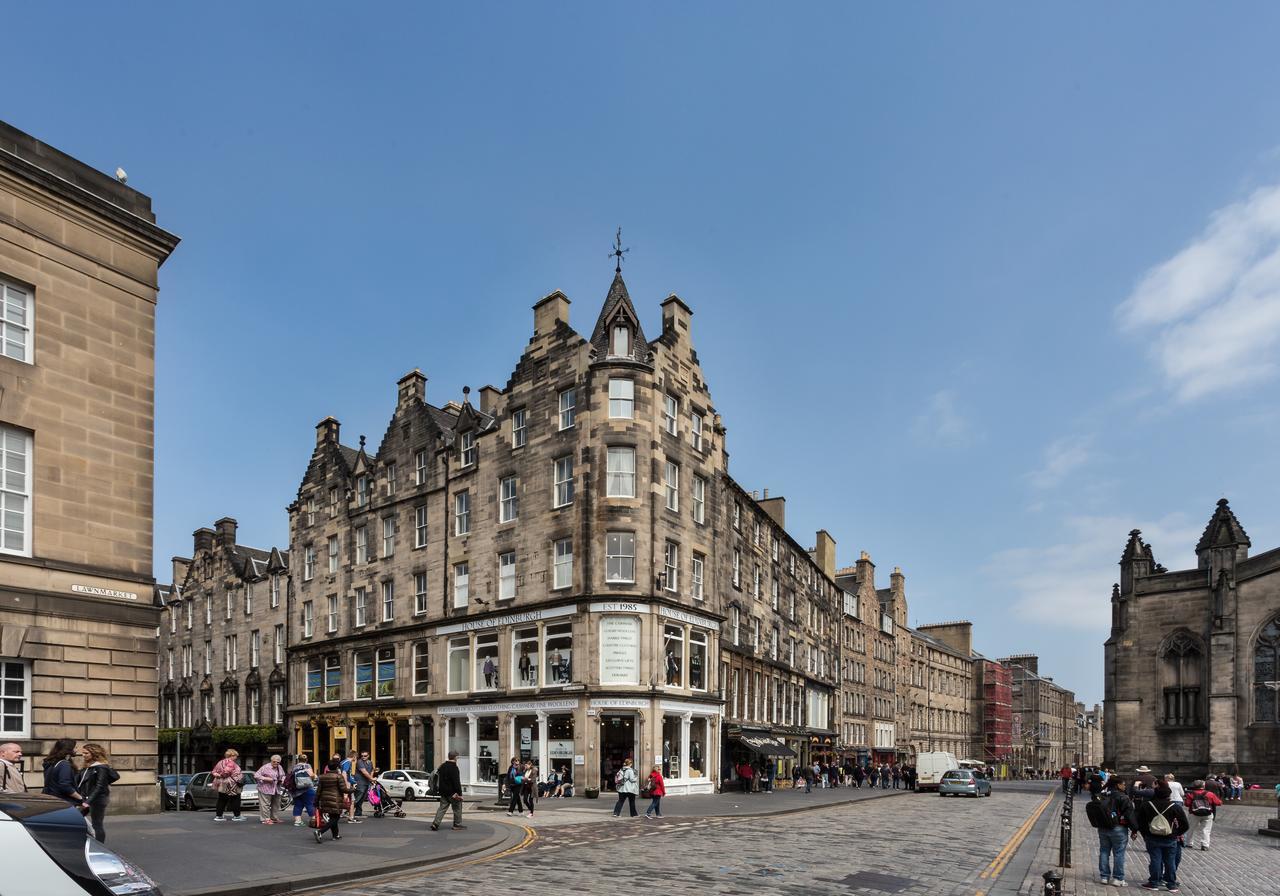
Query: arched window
(1266, 673)
(1180, 673)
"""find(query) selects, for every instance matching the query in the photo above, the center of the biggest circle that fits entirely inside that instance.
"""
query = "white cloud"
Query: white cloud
(1069, 583)
(1061, 458)
(1213, 309)
(943, 422)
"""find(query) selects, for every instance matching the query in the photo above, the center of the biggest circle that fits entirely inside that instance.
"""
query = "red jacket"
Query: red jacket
(657, 786)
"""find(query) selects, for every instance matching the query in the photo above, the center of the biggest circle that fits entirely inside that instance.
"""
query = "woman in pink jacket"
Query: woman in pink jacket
(270, 779)
(228, 780)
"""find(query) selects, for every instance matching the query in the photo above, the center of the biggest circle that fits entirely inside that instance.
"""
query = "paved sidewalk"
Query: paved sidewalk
(1241, 862)
(189, 854)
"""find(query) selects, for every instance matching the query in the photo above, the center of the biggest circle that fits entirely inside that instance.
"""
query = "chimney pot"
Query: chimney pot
(411, 387)
(327, 430)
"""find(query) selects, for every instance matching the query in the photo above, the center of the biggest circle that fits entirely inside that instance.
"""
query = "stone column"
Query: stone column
(416, 747)
(685, 721)
(544, 748)
(472, 747)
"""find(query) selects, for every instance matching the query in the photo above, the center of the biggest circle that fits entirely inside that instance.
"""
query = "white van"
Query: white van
(930, 767)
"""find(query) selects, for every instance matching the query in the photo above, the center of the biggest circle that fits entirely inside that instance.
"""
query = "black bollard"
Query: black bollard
(1052, 882)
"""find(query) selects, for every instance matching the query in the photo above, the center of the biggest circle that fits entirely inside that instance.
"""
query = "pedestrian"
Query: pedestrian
(228, 780)
(745, 776)
(59, 773)
(270, 780)
(1202, 809)
(766, 777)
(657, 789)
(566, 782)
(1110, 812)
(10, 771)
(1146, 780)
(1214, 786)
(885, 776)
(362, 780)
(449, 786)
(859, 774)
(1177, 791)
(332, 791)
(1237, 787)
(627, 785)
(897, 777)
(529, 786)
(302, 785)
(95, 783)
(514, 780)
(1161, 822)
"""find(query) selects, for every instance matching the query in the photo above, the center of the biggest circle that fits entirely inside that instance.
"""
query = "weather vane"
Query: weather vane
(618, 251)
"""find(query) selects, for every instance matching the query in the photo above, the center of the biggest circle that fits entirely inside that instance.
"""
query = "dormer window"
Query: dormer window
(621, 345)
(467, 451)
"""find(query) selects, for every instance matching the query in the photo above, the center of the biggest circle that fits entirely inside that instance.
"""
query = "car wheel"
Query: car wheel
(188, 803)
(409, 795)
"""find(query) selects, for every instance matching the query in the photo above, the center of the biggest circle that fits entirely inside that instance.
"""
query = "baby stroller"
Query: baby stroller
(383, 804)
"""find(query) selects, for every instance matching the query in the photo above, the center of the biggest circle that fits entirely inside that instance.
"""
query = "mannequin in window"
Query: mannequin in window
(673, 668)
(526, 668)
(490, 673)
(554, 663)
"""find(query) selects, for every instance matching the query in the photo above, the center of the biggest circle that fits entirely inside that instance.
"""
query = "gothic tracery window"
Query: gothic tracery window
(1266, 673)
(1180, 667)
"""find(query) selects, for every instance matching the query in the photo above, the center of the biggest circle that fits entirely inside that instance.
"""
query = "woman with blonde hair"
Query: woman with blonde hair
(228, 780)
(95, 785)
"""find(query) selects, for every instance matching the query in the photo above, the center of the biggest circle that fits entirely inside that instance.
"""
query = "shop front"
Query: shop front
(387, 736)
(767, 752)
(487, 736)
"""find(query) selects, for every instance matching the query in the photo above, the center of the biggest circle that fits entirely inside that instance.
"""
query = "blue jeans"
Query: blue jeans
(655, 807)
(1163, 864)
(1112, 842)
(304, 801)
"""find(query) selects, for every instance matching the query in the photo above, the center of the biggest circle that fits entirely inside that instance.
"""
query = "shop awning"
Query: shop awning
(764, 745)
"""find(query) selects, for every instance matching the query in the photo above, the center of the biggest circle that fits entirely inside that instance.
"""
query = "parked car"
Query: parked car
(48, 852)
(930, 767)
(964, 782)
(169, 789)
(201, 795)
(408, 784)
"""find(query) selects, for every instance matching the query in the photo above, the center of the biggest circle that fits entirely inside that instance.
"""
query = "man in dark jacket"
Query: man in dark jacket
(1114, 815)
(449, 786)
(1161, 843)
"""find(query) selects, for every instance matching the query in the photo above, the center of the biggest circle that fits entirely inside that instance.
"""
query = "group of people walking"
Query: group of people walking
(86, 787)
(627, 784)
(1168, 816)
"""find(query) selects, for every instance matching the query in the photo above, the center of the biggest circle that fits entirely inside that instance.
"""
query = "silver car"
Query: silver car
(964, 782)
(201, 795)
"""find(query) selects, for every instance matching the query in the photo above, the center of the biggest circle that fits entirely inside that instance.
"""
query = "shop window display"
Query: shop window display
(487, 747)
(698, 660)
(559, 653)
(524, 648)
(673, 654)
(487, 677)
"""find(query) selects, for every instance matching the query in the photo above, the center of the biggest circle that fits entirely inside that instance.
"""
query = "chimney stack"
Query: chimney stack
(489, 399)
(548, 311)
(327, 431)
(825, 553)
(226, 532)
(411, 388)
(676, 316)
(203, 539)
(180, 567)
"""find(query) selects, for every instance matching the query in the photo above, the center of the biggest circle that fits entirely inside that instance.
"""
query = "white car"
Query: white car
(407, 784)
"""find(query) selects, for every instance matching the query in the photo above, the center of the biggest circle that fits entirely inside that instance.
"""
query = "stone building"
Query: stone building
(79, 258)
(1043, 718)
(536, 576)
(223, 642)
(942, 694)
(873, 681)
(1192, 677)
(779, 650)
(1088, 749)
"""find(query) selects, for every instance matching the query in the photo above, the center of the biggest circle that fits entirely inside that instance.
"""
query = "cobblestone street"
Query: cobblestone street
(915, 843)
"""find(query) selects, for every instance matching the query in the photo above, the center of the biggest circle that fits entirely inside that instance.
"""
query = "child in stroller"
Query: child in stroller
(383, 803)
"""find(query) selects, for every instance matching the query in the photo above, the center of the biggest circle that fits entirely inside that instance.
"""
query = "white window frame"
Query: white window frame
(696, 572)
(507, 575)
(388, 536)
(620, 482)
(362, 545)
(562, 492)
(671, 414)
(671, 484)
(420, 526)
(519, 428)
(362, 606)
(671, 565)
(13, 295)
(695, 431)
(421, 467)
(508, 499)
(461, 585)
(623, 332)
(615, 555)
(462, 513)
(308, 563)
(419, 593)
(277, 644)
(389, 600)
(562, 564)
(737, 568)
(468, 453)
(421, 663)
(255, 648)
(390, 474)
(333, 554)
(568, 408)
(275, 596)
(622, 399)
(699, 500)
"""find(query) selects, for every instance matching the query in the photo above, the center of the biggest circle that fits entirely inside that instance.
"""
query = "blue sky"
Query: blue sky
(978, 288)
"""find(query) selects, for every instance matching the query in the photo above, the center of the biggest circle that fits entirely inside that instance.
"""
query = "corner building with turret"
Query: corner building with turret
(531, 575)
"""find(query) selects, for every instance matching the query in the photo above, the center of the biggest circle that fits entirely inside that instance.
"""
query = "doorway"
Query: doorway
(617, 742)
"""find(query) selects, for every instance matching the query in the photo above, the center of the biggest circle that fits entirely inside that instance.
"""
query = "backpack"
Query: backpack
(618, 777)
(1102, 813)
(299, 780)
(1200, 804)
(1160, 826)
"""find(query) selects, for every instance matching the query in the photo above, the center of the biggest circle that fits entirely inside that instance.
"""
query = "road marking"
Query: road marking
(1002, 858)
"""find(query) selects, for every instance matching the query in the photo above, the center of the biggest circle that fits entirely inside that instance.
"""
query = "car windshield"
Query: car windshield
(247, 779)
(419, 776)
(170, 780)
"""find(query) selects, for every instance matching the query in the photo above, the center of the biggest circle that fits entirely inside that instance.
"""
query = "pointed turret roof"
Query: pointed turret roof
(1224, 530)
(617, 305)
(1135, 549)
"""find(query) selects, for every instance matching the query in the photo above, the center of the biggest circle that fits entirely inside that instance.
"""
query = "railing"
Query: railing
(1064, 828)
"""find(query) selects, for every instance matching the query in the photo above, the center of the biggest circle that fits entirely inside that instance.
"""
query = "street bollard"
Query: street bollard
(1052, 882)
